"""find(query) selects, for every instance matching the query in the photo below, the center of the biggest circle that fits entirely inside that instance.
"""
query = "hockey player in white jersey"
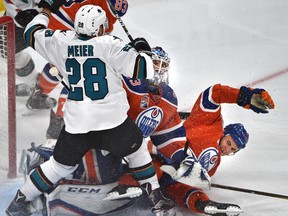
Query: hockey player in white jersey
(96, 109)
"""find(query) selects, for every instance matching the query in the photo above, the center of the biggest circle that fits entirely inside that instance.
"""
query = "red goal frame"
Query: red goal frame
(9, 22)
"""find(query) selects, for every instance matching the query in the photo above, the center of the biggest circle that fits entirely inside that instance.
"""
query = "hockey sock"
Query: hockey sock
(46, 81)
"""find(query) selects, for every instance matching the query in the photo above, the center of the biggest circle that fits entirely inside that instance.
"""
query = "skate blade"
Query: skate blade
(134, 193)
(232, 211)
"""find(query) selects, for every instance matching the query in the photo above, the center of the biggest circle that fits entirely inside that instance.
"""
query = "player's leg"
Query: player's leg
(56, 118)
(127, 141)
(45, 83)
(24, 65)
(198, 201)
(43, 178)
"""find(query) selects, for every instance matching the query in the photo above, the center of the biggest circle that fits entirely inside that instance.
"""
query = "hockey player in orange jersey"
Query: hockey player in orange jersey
(209, 141)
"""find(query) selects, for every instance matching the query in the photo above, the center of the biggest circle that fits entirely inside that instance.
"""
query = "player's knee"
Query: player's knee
(54, 170)
(24, 64)
(141, 156)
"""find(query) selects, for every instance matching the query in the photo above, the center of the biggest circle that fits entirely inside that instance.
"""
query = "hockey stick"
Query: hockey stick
(119, 19)
(184, 115)
(279, 196)
(54, 72)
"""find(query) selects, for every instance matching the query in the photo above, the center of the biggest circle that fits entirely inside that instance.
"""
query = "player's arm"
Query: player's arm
(38, 36)
(131, 60)
(256, 99)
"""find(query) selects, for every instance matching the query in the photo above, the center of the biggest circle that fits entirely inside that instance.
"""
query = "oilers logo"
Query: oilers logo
(208, 158)
(148, 120)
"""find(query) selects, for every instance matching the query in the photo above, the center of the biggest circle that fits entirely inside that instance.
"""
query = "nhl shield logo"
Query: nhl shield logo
(148, 120)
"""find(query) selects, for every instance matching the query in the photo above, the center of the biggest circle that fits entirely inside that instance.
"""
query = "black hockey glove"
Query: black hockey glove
(24, 17)
(256, 99)
(140, 44)
(52, 5)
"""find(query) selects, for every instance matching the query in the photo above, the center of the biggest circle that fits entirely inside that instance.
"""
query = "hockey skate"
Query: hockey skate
(19, 206)
(218, 209)
(55, 126)
(121, 192)
(160, 202)
(39, 100)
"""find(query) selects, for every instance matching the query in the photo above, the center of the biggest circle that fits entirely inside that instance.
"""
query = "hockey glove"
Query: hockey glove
(24, 17)
(140, 44)
(52, 5)
(257, 100)
(190, 173)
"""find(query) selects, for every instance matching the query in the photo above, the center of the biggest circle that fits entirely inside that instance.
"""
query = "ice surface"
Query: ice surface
(212, 41)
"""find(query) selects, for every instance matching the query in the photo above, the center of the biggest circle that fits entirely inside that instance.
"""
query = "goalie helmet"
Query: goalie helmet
(161, 63)
(89, 19)
(238, 134)
(119, 6)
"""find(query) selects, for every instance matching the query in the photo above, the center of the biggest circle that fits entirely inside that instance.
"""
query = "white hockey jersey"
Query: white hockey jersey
(92, 69)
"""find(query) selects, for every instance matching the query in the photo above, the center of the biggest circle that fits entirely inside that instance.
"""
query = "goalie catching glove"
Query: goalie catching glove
(52, 5)
(190, 173)
(256, 99)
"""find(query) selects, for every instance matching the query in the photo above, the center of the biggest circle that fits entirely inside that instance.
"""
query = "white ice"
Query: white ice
(212, 41)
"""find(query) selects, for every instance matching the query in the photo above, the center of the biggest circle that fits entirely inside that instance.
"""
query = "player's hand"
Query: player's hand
(52, 5)
(140, 44)
(190, 173)
(25, 16)
(256, 99)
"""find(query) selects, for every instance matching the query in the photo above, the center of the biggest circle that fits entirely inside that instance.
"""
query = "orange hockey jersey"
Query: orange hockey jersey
(204, 126)
(65, 17)
(156, 116)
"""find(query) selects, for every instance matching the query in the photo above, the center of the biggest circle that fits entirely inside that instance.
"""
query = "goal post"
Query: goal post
(7, 97)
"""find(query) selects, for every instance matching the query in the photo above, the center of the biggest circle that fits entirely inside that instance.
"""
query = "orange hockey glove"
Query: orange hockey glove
(257, 100)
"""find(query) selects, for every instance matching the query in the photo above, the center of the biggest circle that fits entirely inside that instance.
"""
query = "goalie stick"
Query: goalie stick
(184, 115)
(120, 20)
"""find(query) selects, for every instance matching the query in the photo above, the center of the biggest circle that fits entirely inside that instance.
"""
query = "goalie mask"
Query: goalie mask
(89, 19)
(161, 63)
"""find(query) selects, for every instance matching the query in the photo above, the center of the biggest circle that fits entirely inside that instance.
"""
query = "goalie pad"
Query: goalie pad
(80, 199)
(190, 173)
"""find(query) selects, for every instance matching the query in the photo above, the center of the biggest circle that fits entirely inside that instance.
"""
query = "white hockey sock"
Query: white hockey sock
(152, 180)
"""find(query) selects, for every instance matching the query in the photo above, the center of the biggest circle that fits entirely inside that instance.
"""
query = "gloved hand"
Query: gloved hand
(52, 5)
(190, 173)
(257, 100)
(140, 44)
(24, 17)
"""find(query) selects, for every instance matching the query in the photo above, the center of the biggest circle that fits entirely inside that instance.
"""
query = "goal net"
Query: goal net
(7, 98)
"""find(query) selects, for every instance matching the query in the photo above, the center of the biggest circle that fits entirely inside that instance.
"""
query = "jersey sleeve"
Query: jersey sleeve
(208, 105)
(126, 61)
(42, 39)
